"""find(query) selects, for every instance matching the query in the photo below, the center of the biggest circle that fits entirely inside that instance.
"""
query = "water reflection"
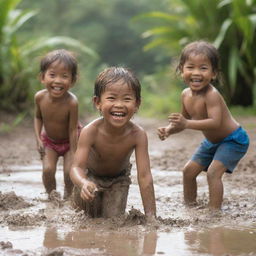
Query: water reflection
(215, 241)
(220, 241)
(109, 242)
(210, 241)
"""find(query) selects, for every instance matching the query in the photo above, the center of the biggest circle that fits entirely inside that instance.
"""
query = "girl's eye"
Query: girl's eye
(110, 98)
(65, 76)
(127, 99)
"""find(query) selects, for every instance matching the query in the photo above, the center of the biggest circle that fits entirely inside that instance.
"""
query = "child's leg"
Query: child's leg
(190, 172)
(214, 176)
(66, 170)
(49, 169)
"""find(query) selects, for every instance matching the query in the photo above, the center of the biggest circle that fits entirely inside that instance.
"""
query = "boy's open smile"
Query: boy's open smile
(57, 79)
(197, 72)
(117, 103)
(118, 115)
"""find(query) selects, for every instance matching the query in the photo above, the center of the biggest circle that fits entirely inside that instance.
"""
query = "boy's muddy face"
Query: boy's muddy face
(197, 72)
(57, 79)
(117, 103)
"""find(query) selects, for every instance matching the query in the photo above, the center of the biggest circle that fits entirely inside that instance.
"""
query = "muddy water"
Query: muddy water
(214, 241)
(44, 228)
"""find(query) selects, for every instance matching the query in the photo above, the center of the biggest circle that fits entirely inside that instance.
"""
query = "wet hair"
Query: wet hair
(114, 74)
(62, 56)
(200, 48)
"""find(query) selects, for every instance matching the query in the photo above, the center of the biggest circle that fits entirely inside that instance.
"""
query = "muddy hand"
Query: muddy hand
(177, 120)
(161, 131)
(88, 191)
(41, 152)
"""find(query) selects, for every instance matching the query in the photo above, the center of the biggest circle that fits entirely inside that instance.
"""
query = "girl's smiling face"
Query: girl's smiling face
(197, 72)
(57, 79)
(117, 103)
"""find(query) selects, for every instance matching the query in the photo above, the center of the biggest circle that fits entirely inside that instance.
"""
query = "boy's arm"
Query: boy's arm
(78, 169)
(73, 125)
(164, 132)
(213, 120)
(144, 175)
(38, 125)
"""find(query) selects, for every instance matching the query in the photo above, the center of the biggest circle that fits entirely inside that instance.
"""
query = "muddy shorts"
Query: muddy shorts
(61, 147)
(111, 197)
(229, 151)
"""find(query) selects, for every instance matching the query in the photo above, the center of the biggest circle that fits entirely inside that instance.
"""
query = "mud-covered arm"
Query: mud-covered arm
(78, 169)
(73, 125)
(144, 175)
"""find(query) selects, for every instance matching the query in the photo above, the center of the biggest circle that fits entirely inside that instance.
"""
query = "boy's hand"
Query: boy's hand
(161, 131)
(178, 121)
(88, 190)
(164, 132)
(41, 150)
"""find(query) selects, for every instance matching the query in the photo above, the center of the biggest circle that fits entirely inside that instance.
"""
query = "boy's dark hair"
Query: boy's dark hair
(63, 56)
(197, 48)
(114, 74)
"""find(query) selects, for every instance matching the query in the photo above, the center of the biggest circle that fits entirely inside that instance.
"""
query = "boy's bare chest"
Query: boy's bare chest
(55, 112)
(116, 149)
(195, 107)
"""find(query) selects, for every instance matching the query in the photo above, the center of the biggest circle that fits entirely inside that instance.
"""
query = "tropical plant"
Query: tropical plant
(236, 41)
(16, 56)
(229, 24)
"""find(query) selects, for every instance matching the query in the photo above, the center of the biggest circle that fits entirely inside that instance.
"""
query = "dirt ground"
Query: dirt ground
(17, 148)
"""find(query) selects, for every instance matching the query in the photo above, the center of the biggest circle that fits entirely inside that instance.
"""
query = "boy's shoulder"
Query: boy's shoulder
(40, 94)
(97, 124)
(210, 91)
(72, 99)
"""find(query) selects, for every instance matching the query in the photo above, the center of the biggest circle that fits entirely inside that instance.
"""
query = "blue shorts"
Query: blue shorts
(229, 151)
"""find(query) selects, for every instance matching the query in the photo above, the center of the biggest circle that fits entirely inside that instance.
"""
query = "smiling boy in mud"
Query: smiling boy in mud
(56, 117)
(101, 168)
(204, 109)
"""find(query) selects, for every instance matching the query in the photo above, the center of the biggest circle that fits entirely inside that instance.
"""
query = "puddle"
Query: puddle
(214, 241)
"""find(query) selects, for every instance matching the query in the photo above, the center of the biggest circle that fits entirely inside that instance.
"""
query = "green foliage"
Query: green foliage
(160, 95)
(229, 24)
(17, 63)
(104, 26)
(236, 42)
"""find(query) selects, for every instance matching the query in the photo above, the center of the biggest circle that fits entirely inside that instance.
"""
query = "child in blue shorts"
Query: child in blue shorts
(204, 109)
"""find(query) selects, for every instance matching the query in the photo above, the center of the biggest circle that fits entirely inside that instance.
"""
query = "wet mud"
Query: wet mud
(31, 224)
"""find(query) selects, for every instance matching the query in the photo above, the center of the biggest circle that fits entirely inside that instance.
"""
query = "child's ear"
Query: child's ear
(138, 102)
(41, 77)
(214, 77)
(96, 102)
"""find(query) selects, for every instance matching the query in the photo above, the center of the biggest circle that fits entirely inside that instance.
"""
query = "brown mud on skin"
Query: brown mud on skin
(33, 209)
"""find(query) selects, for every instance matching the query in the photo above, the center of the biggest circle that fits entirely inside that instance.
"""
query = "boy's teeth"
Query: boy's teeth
(57, 88)
(118, 114)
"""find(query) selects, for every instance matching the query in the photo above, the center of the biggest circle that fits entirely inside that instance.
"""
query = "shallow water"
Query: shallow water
(215, 239)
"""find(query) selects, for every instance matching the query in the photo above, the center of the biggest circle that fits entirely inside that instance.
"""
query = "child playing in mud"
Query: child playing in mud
(101, 167)
(56, 117)
(204, 109)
